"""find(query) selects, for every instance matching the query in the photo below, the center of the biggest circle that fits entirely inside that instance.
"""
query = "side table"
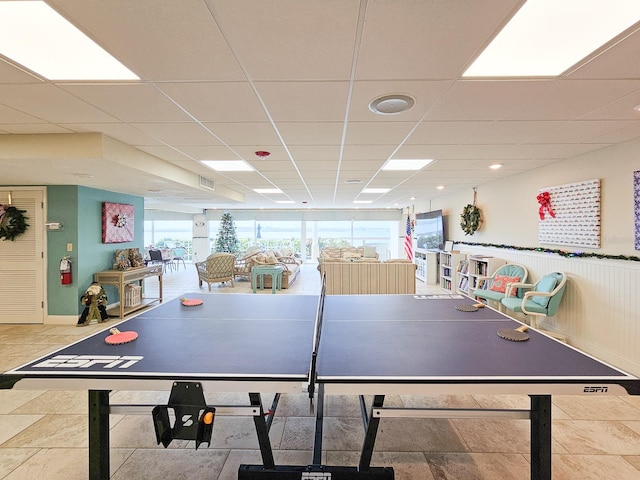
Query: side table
(259, 271)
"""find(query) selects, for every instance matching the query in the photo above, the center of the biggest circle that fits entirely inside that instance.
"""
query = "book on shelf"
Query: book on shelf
(463, 266)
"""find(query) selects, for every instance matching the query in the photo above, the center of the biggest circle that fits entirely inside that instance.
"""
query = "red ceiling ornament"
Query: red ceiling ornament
(261, 154)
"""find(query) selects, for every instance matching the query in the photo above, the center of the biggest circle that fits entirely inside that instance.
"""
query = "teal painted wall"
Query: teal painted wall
(79, 209)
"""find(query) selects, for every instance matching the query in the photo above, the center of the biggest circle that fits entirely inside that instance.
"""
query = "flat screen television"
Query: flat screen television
(429, 230)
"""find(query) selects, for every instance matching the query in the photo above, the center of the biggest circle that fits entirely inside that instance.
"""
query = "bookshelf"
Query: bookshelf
(449, 262)
(474, 267)
(427, 266)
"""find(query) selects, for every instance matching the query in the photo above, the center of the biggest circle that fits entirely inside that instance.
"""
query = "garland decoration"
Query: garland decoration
(562, 253)
(470, 217)
(544, 199)
(12, 222)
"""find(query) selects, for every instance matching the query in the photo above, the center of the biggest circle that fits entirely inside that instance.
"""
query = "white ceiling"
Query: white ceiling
(222, 79)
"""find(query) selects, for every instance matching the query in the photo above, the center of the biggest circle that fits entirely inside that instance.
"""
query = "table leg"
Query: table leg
(99, 435)
(274, 279)
(540, 437)
(371, 431)
(263, 433)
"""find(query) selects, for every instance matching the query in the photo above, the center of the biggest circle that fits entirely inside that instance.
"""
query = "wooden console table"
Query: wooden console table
(120, 278)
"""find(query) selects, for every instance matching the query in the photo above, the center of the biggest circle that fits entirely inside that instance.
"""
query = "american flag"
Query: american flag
(408, 242)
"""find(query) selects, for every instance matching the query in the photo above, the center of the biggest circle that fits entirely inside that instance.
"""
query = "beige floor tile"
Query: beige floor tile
(57, 402)
(52, 431)
(593, 467)
(582, 407)
(136, 431)
(418, 435)
(12, 399)
(494, 435)
(12, 425)
(12, 458)
(298, 434)
(240, 433)
(596, 437)
(154, 464)
(62, 463)
(478, 466)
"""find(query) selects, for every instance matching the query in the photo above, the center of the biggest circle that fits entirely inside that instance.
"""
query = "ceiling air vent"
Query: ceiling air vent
(207, 183)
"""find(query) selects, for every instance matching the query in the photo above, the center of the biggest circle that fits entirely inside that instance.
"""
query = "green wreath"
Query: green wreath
(470, 219)
(12, 222)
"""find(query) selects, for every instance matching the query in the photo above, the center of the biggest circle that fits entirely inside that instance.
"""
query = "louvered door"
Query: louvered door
(22, 266)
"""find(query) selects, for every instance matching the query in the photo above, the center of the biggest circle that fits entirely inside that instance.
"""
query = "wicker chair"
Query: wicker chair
(218, 267)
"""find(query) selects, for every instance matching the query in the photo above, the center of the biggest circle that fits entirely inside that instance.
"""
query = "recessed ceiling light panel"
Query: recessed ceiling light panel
(267, 190)
(37, 37)
(547, 37)
(375, 190)
(228, 165)
(406, 164)
(391, 104)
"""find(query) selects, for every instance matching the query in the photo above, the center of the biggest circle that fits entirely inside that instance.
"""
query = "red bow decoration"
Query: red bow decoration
(544, 199)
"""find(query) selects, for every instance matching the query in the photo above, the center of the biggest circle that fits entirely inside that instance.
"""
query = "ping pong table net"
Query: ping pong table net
(317, 330)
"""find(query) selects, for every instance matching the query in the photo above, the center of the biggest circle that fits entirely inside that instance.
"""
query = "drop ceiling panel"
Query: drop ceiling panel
(217, 101)
(179, 133)
(245, 133)
(137, 102)
(614, 63)
(311, 133)
(49, 103)
(168, 40)
(378, 133)
(289, 39)
(569, 99)
(414, 39)
(10, 73)
(305, 101)
(119, 131)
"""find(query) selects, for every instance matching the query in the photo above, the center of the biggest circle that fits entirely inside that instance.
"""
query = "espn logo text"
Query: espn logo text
(596, 389)
(88, 361)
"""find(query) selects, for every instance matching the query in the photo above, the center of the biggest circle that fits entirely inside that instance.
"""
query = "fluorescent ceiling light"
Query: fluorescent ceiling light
(35, 36)
(267, 190)
(375, 190)
(495, 166)
(546, 37)
(363, 201)
(228, 165)
(409, 164)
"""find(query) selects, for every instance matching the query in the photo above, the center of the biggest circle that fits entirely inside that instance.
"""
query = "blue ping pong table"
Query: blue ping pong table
(366, 345)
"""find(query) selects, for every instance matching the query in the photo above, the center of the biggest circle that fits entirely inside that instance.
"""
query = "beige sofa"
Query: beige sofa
(348, 253)
(246, 262)
(361, 277)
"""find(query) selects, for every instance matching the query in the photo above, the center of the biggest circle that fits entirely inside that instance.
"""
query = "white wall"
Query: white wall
(599, 312)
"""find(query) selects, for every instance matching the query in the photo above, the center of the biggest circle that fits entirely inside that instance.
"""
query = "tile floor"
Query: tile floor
(43, 434)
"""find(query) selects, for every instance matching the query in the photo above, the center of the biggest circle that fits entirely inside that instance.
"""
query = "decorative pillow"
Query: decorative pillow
(500, 282)
(369, 252)
(351, 255)
(546, 284)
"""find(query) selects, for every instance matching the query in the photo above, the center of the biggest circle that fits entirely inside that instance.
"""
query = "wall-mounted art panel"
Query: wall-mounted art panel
(117, 222)
(570, 214)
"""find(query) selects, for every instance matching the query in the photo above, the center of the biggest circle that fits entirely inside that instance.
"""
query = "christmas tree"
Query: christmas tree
(227, 240)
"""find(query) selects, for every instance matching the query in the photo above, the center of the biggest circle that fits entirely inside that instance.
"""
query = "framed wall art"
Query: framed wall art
(573, 215)
(117, 222)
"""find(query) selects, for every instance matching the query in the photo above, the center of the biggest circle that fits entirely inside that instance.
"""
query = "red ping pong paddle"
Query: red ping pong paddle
(118, 338)
(191, 302)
